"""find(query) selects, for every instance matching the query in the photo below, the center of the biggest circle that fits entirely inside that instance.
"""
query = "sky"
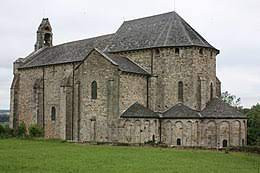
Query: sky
(232, 26)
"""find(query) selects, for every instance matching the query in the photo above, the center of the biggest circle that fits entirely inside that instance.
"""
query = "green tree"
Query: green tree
(254, 125)
(231, 99)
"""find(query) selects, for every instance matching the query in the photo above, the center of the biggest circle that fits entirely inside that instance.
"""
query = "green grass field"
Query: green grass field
(54, 156)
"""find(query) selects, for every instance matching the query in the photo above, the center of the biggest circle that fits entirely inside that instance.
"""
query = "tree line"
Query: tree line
(253, 115)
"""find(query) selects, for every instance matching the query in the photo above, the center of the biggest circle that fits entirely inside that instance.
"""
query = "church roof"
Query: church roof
(181, 111)
(127, 65)
(66, 53)
(139, 111)
(217, 108)
(164, 30)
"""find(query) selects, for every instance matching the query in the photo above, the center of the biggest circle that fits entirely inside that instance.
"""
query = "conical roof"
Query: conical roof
(217, 108)
(164, 30)
(139, 111)
(181, 111)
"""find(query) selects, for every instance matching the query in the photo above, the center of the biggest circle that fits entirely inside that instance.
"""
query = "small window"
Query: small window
(47, 39)
(177, 51)
(94, 90)
(211, 91)
(224, 143)
(201, 51)
(157, 51)
(179, 142)
(47, 28)
(53, 113)
(180, 91)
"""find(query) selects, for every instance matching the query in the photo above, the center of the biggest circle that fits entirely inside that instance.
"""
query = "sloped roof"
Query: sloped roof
(217, 108)
(162, 30)
(181, 111)
(69, 52)
(139, 111)
(127, 65)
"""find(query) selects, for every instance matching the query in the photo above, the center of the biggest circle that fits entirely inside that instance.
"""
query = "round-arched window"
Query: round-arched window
(53, 113)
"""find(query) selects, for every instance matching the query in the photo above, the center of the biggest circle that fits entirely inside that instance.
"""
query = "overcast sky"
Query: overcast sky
(232, 26)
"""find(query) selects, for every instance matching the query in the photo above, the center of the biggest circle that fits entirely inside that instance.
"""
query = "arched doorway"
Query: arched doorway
(178, 142)
(224, 143)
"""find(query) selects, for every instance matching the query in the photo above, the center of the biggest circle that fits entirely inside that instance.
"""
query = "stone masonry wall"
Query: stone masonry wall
(96, 117)
(53, 78)
(133, 88)
(204, 132)
(138, 131)
(27, 99)
(195, 67)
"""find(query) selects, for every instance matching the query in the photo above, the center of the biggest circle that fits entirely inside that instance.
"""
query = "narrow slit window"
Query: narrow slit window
(211, 91)
(94, 90)
(180, 91)
(53, 113)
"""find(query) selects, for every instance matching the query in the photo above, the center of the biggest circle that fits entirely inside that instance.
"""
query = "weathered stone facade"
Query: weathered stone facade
(119, 88)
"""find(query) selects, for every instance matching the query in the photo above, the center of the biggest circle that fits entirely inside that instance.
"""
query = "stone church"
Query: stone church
(153, 80)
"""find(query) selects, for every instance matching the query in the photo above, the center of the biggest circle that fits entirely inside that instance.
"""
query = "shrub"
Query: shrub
(2, 131)
(21, 131)
(35, 131)
(5, 131)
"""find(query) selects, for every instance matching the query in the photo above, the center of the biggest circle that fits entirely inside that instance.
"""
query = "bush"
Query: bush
(5, 131)
(35, 131)
(248, 149)
(21, 131)
(2, 131)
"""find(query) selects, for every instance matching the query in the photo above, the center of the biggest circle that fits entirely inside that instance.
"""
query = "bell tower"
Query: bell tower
(44, 35)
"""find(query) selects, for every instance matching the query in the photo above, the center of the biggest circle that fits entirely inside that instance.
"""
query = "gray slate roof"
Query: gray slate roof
(181, 111)
(69, 52)
(162, 30)
(127, 65)
(139, 111)
(217, 108)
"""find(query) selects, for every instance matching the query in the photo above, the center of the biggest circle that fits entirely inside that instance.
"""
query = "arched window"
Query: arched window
(178, 141)
(47, 39)
(211, 91)
(224, 143)
(53, 113)
(180, 91)
(94, 90)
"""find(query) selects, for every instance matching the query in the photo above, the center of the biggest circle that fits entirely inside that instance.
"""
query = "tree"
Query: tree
(254, 125)
(232, 100)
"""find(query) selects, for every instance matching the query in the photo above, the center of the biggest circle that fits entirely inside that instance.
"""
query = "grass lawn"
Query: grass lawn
(54, 156)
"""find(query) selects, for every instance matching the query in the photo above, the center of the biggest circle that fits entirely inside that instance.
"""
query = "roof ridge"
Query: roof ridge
(147, 17)
(185, 31)
(90, 38)
(169, 30)
(199, 36)
(159, 36)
